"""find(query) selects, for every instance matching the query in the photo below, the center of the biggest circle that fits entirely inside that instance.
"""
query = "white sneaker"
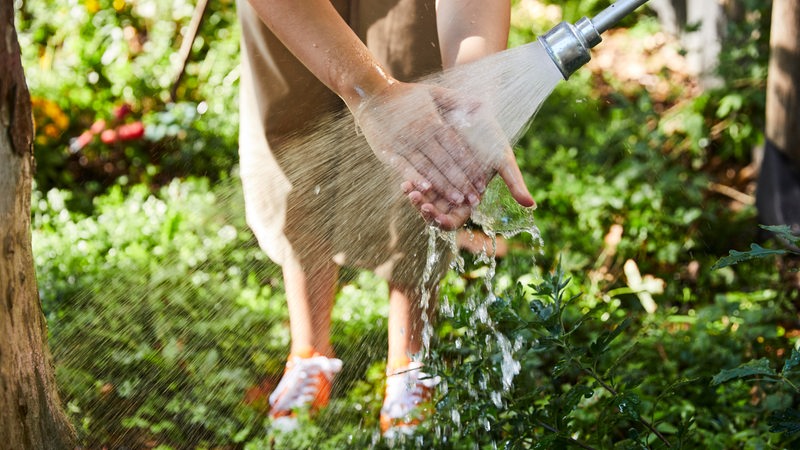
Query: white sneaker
(406, 401)
(306, 383)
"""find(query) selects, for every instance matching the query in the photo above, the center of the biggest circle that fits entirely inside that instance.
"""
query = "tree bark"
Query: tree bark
(702, 45)
(783, 81)
(778, 193)
(31, 415)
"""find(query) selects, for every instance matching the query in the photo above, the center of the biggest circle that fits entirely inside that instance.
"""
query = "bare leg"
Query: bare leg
(310, 292)
(406, 324)
(408, 388)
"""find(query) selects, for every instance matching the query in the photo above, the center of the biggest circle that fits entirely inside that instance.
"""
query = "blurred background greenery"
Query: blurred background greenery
(168, 325)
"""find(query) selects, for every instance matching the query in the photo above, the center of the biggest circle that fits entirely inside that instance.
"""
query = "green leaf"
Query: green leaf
(560, 367)
(171, 350)
(544, 311)
(786, 421)
(604, 340)
(629, 405)
(748, 369)
(574, 396)
(545, 442)
(756, 251)
(677, 385)
(728, 104)
(783, 232)
(791, 363)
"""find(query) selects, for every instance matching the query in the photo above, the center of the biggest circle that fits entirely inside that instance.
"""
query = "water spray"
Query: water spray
(568, 45)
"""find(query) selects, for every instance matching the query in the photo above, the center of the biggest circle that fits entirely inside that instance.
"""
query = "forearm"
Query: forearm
(315, 33)
(471, 29)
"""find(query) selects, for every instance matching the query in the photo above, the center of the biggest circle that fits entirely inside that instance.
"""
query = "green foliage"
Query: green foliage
(592, 383)
(603, 153)
(144, 301)
(756, 251)
(84, 60)
(164, 315)
(786, 420)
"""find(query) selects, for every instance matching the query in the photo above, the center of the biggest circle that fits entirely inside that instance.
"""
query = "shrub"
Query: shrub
(164, 315)
(155, 305)
(605, 378)
(100, 64)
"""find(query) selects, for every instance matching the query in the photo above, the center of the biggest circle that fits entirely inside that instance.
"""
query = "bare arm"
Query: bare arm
(408, 125)
(315, 33)
(407, 117)
(471, 29)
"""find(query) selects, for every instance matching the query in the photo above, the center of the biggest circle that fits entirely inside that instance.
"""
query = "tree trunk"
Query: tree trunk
(783, 81)
(31, 416)
(702, 45)
(778, 193)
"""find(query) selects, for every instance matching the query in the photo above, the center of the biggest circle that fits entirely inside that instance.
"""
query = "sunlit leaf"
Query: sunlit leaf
(756, 251)
(792, 362)
(728, 104)
(748, 369)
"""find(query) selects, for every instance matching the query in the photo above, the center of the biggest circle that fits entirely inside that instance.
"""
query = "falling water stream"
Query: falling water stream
(514, 82)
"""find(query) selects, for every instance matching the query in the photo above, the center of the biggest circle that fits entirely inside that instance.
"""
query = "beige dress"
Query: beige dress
(312, 186)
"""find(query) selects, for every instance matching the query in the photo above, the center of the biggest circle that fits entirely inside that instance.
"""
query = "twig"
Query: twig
(186, 45)
(553, 429)
(614, 392)
(732, 193)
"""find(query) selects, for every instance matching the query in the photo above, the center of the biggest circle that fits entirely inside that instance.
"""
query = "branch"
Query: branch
(553, 429)
(186, 45)
(614, 392)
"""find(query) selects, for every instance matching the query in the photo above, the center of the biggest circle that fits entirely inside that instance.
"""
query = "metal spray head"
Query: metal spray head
(568, 45)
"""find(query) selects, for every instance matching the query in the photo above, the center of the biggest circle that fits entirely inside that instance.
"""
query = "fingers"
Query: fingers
(454, 219)
(470, 172)
(459, 116)
(445, 145)
(448, 215)
(439, 211)
(510, 173)
(414, 181)
(436, 164)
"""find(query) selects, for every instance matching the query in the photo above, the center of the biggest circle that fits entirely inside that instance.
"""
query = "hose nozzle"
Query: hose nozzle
(568, 45)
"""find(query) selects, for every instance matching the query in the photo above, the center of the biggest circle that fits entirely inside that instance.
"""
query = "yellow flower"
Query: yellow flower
(51, 131)
(61, 120)
(50, 109)
(92, 6)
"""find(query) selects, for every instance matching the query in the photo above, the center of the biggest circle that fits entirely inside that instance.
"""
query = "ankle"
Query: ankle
(397, 364)
(308, 351)
(303, 352)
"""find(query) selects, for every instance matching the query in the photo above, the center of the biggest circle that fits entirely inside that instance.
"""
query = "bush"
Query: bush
(168, 325)
(97, 65)
(164, 315)
(145, 300)
(601, 377)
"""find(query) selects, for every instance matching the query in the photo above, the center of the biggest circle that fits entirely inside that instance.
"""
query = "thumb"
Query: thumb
(509, 171)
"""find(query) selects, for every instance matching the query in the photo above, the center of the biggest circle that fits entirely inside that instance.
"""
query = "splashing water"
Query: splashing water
(345, 219)
(515, 83)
